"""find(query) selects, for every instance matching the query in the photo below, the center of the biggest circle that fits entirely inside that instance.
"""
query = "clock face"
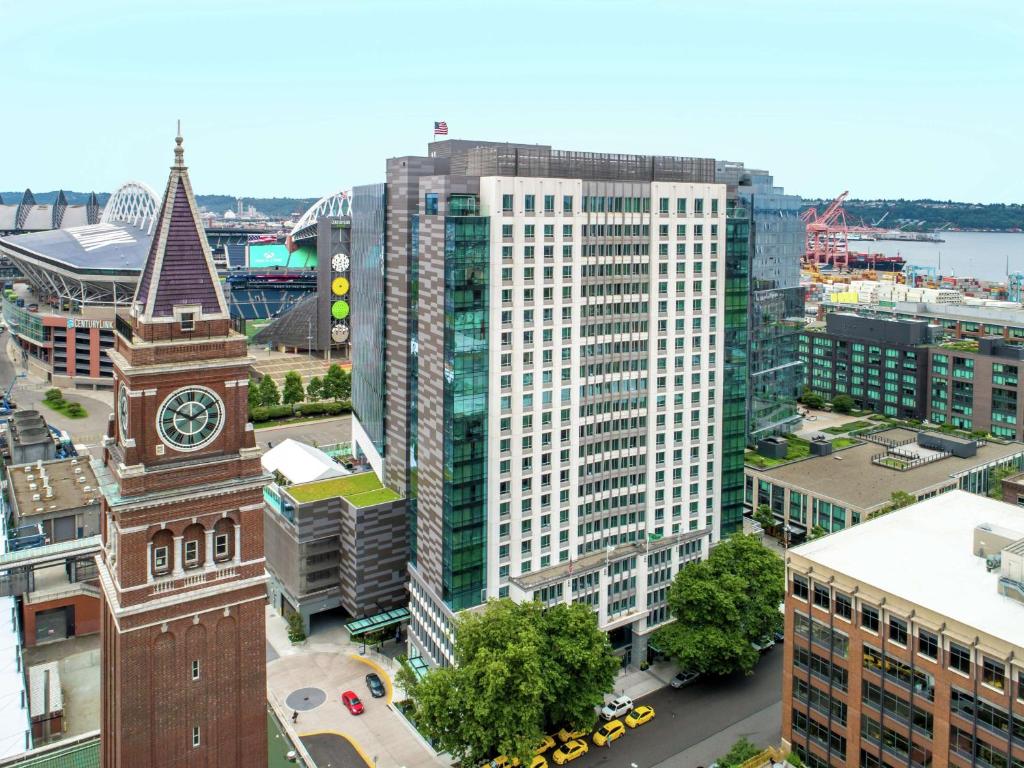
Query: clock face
(122, 411)
(340, 262)
(190, 418)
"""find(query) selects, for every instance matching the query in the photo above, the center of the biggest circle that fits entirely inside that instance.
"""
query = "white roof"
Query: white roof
(37, 696)
(14, 720)
(301, 463)
(924, 554)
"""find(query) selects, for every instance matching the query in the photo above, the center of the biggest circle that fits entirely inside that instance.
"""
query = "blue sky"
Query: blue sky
(904, 98)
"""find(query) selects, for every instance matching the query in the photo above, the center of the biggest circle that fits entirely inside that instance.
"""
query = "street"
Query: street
(322, 432)
(687, 721)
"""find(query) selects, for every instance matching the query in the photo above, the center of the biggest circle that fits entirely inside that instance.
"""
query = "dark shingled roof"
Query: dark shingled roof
(179, 269)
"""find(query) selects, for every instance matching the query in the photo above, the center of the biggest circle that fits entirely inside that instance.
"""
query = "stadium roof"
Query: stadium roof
(110, 248)
(27, 215)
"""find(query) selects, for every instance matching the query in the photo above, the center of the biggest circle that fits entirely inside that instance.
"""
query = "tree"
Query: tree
(763, 515)
(816, 533)
(296, 629)
(53, 396)
(996, 477)
(337, 384)
(293, 391)
(738, 754)
(724, 604)
(842, 404)
(315, 388)
(254, 393)
(812, 399)
(897, 500)
(269, 394)
(521, 670)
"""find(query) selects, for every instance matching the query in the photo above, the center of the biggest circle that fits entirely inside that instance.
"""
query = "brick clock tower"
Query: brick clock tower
(181, 569)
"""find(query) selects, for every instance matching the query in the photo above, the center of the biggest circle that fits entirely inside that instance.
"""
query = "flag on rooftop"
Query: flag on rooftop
(440, 128)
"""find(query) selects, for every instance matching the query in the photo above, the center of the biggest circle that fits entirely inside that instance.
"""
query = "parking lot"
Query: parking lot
(311, 682)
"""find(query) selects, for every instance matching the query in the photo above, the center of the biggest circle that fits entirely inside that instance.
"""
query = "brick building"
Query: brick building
(905, 639)
(181, 568)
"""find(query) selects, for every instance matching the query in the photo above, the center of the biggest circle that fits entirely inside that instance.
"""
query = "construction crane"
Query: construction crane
(6, 406)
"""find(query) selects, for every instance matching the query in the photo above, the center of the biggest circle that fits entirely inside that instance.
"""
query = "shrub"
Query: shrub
(53, 396)
(296, 632)
(74, 410)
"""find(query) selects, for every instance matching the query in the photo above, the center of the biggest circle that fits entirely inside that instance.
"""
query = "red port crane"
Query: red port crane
(827, 235)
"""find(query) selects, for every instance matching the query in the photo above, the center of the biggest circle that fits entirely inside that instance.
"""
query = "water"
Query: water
(964, 254)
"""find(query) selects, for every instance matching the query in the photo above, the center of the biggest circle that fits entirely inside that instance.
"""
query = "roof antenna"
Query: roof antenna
(179, 152)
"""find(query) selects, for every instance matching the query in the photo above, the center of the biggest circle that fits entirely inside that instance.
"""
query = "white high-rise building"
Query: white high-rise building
(553, 345)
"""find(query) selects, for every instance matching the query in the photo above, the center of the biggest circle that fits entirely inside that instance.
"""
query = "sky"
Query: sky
(903, 98)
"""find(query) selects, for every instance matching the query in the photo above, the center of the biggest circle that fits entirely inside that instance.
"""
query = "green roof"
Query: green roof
(361, 490)
(84, 755)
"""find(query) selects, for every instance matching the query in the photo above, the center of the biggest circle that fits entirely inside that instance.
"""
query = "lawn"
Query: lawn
(843, 442)
(69, 409)
(841, 429)
(798, 449)
(362, 490)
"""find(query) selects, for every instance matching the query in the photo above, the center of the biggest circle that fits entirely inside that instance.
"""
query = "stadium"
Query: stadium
(67, 270)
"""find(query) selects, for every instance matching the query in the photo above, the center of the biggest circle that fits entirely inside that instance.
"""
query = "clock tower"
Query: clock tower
(182, 567)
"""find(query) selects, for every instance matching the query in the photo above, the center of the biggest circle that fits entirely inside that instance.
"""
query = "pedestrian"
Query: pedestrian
(295, 715)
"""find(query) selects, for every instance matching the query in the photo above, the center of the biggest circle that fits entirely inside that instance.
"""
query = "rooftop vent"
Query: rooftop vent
(35, 497)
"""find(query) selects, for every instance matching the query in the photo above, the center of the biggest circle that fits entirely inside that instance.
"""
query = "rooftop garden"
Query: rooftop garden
(360, 490)
(961, 345)
(798, 448)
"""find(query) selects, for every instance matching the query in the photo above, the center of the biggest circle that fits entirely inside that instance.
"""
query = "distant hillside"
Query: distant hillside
(274, 207)
(928, 215)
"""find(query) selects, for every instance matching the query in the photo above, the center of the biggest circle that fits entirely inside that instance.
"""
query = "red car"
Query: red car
(352, 703)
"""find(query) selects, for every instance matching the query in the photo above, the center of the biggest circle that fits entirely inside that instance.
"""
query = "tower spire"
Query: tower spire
(179, 151)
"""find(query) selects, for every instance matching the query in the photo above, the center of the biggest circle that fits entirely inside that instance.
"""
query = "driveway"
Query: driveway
(312, 683)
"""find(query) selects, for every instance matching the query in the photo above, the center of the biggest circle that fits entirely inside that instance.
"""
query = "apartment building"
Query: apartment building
(905, 639)
(553, 352)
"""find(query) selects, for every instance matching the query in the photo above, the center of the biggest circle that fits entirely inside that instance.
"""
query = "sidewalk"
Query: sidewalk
(636, 683)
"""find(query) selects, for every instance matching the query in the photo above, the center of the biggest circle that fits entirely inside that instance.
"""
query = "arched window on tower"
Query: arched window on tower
(193, 546)
(224, 540)
(162, 553)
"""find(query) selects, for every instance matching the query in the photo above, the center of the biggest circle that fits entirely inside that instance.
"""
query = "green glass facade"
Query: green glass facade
(734, 413)
(464, 518)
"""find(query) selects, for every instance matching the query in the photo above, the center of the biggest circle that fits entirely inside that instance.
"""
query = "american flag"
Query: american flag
(253, 238)
(440, 128)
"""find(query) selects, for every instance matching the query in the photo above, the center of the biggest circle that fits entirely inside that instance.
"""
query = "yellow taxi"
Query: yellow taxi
(639, 716)
(609, 732)
(501, 761)
(569, 751)
(546, 743)
(539, 762)
(565, 734)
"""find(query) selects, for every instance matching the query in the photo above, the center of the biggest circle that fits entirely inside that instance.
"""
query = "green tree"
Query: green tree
(724, 604)
(315, 388)
(996, 477)
(53, 396)
(816, 533)
(337, 384)
(763, 515)
(296, 631)
(520, 670)
(269, 394)
(812, 399)
(254, 393)
(842, 404)
(738, 754)
(897, 500)
(293, 391)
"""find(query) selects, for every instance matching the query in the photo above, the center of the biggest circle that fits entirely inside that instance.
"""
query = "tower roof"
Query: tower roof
(179, 270)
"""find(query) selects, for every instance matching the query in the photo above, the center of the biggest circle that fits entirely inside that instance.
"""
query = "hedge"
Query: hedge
(273, 412)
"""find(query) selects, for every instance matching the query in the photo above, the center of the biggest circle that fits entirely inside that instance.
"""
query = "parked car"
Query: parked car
(352, 702)
(565, 735)
(377, 689)
(684, 678)
(779, 637)
(546, 743)
(764, 644)
(609, 732)
(569, 751)
(617, 708)
(639, 716)
(539, 761)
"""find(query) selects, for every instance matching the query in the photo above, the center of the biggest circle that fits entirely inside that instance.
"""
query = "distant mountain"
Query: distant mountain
(274, 207)
(930, 215)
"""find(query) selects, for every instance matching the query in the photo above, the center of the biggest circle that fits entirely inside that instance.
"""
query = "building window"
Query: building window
(844, 606)
(430, 203)
(531, 203)
(220, 546)
(195, 669)
(188, 321)
(869, 618)
(160, 559)
(960, 658)
(993, 673)
(799, 587)
(506, 203)
(195, 736)
(191, 552)
(566, 203)
(927, 644)
(897, 630)
(822, 597)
